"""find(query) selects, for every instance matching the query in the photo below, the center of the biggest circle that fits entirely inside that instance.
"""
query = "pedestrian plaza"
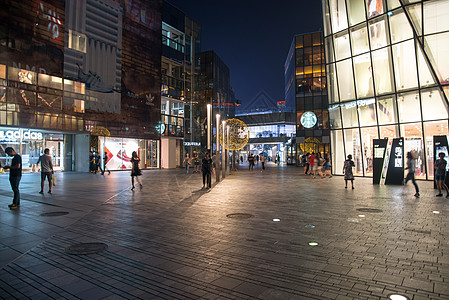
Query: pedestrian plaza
(277, 234)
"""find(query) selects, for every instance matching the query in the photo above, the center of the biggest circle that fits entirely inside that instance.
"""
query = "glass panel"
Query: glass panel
(439, 51)
(405, 65)
(378, 33)
(329, 50)
(326, 18)
(341, 43)
(21, 75)
(332, 83)
(368, 134)
(431, 129)
(388, 131)
(435, 16)
(359, 40)
(393, 4)
(338, 15)
(335, 117)
(383, 78)
(408, 105)
(415, 13)
(425, 77)
(352, 146)
(386, 108)
(400, 27)
(414, 144)
(345, 80)
(433, 105)
(3, 71)
(367, 112)
(374, 8)
(338, 154)
(50, 81)
(349, 114)
(356, 11)
(363, 75)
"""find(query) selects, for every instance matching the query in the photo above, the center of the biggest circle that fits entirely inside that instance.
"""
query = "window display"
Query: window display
(363, 76)
(405, 65)
(359, 40)
(353, 146)
(414, 143)
(338, 15)
(433, 129)
(433, 107)
(439, 49)
(356, 11)
(341, 44)
(377, 33)
(368, 134)
(367, 112)
(408, 105)
(399, 27)
(349, 114)
(345, 80)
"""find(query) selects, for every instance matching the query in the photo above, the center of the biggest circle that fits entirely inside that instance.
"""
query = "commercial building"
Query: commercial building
(181, 44)
(388, 77)
(78, 76)
(306, 93)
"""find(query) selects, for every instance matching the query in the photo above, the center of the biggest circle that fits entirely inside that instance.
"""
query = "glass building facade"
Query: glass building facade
(388, 76)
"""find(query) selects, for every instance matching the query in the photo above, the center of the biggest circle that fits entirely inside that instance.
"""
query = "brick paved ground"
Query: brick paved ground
(174, 241)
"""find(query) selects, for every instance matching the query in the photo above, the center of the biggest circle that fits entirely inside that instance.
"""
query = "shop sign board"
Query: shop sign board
(395, 171)
(21, 134)
(379, 147)
(192, 144)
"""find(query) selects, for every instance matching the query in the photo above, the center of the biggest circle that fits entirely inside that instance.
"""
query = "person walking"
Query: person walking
(98, 163)
(196, 162)
(250, 162)
(312, 162)
(411, 173)
(305, 162)
(327, 165)
(207, 167)
(46, 170)
(263, 159)
(105, 160)
(347, 171)
(440, 174)
(135, 170)
(15, 174)
(186, 163)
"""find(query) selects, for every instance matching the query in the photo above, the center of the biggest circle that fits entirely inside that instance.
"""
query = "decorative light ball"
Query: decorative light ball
(238, 134)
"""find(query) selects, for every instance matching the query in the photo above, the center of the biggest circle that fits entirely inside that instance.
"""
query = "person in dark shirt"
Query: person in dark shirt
(15, 174)
(207, 167)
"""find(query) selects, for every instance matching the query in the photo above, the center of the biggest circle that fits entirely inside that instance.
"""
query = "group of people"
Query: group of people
(207, 167)
(95, 162)
(252, 159)
(315, 164)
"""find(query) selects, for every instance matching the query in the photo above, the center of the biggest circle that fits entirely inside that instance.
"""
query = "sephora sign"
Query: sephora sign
(20, 134)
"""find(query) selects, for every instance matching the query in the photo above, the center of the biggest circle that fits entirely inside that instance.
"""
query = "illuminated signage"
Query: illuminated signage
(192, 144)
(50, 20)
(308, 119)
(21, 134)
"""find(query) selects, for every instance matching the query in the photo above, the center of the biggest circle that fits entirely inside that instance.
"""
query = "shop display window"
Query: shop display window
(425, 77)
(335, 117)
(349, 114)
(400, 27)
(23, 97)
(409, 107)
(2, 71)
(356, 11)
(432, 129)
(435, 16)
(368, 134)
(378, 33)
(359, 39)
(367, 112)
(413, 142)
(345, 80)
(21, 75)
(326, 19)
(341, 44)
(386, 108)
(393, 4)
(374, 8)
(363, 76)
(338, 154)
(383, 73)
(329, 48)
(438, 46)
(338, 15)
(404, 60)
(415, 13)
(48, 100)
(332, 83)
(353, 147)
(388, 132)
(433, 105)
(50, 81)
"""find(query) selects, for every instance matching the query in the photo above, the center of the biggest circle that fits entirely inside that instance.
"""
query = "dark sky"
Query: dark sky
(253, 37)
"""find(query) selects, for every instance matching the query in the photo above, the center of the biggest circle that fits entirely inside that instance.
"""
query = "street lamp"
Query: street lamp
(217, 149)
(209, 115)
(228, 142)
(223, 151)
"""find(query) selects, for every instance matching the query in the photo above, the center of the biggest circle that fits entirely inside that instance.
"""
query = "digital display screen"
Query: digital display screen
(379, 152)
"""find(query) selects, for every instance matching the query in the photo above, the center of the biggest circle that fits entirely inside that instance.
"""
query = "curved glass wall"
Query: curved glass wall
(388, 77)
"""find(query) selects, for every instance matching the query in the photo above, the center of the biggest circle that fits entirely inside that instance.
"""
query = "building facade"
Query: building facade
(79, 76)
(388, 77)
(306, 93)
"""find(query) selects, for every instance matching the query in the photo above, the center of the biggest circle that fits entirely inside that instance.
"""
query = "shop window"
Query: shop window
(393, 4)
(332, 83)
(353, 147)
(77, 41)
(438, 45)
(368, 134)
(409, 108)
(363, 76)
(435, 16)
(316, 39)
(432, 129)
(2, 94)
(3, 117)
(21, 75)
(2, 71)
(23, 97)
(415, 13)
(341, 44)
(307, 40)
(308, 57)
(338, 154)
(349, 114)
(388, 132)
(299, 57)
(47, 100)
(329, 48)
(414, 143)
(326, 19)
(405, 65)
(377, 33)
(433, 105)
(359, 39)
(387, 113)
(345, 80)
(400, 27)
(338, 15)
(374, 8)
(425, 77)
(367, 112)
(78, 106)
(299, 41)
(383, 78)
(50, 81)
(356, 11)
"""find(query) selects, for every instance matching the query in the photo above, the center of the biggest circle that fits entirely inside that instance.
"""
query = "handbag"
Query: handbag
(53, 180)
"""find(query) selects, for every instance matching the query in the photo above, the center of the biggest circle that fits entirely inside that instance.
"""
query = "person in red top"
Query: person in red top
(312, 158)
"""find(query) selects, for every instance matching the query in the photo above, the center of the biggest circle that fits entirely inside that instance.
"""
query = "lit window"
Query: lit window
(77, 41)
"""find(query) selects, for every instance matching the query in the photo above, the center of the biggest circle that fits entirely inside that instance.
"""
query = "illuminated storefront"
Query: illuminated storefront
(388, 76)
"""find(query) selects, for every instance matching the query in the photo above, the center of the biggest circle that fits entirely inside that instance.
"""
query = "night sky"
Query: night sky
(253, 37)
